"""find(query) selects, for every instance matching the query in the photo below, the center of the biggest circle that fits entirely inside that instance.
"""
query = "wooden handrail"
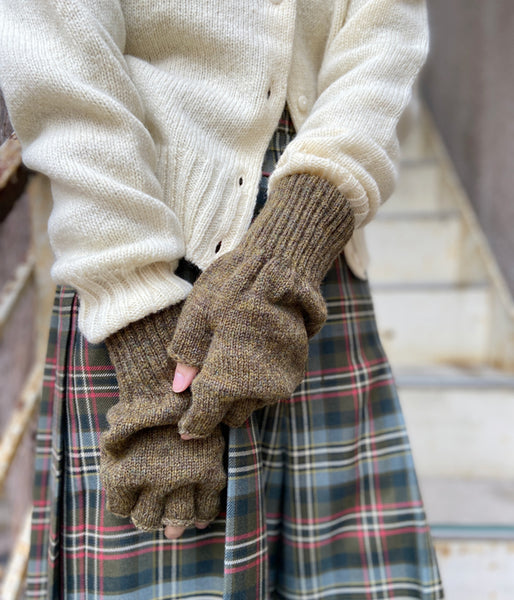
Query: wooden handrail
(20, 420)
(13, 175)
(10, 159)
(13, 289)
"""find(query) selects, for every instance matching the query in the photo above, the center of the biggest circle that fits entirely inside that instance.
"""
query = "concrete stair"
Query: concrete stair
(446, 321)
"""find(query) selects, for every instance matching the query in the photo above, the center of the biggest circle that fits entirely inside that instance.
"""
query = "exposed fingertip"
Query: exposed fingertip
(183, 377)
(173, 533)
(179, 382)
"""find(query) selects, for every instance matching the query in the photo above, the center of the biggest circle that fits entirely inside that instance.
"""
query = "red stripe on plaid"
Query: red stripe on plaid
(103, 529)
(244, 536)
(365, 508)
(338, 393)
(258, 561)
(345, 368)
(357, 534)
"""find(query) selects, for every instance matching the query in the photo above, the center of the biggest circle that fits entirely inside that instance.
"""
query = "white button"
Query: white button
(276, 1)
(303, 103)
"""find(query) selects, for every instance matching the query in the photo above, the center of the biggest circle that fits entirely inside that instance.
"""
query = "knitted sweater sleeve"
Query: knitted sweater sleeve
(81, 122)
(375, 50)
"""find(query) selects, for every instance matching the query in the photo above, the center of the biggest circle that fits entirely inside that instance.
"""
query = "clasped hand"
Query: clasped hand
(240, 342)
(243, 333)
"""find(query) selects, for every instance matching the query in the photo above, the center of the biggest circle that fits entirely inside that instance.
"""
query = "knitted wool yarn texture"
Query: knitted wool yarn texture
(246, 324)
(248, 318)
(147, 471)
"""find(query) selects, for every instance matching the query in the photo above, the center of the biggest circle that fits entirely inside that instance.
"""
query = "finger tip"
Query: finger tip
(172, 533)
(178, 382)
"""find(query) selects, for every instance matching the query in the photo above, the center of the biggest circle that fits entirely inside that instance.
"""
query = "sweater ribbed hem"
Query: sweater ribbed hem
(364, 205)
(123, 298)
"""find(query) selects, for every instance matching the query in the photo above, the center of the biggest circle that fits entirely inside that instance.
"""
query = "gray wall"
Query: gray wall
(468, 83)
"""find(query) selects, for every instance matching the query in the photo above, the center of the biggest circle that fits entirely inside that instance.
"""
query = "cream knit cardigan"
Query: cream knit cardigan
(151, 119)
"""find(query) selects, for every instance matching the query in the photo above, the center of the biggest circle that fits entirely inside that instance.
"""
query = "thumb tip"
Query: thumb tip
(179, 382)
(184, 376)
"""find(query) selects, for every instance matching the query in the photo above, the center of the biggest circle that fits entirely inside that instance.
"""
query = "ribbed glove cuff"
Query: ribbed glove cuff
(305, 222)
(137, 350)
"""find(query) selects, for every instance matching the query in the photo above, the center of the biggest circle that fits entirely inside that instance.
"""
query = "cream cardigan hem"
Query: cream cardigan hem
(151, 119)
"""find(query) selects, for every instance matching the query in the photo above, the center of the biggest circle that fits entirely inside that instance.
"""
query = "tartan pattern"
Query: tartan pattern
(322, 498)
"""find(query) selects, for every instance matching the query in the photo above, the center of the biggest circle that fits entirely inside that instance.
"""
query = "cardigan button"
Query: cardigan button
(303, 103)
(276, 1)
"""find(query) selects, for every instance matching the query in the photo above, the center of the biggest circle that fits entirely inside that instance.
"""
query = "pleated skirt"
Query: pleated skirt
(322, 499)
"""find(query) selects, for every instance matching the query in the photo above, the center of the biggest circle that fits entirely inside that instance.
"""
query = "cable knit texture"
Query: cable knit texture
(247, 321)
(152, 119)
(148, 472)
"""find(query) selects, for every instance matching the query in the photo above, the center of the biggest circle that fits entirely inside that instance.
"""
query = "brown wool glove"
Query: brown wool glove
(248, 318)
(147, 471)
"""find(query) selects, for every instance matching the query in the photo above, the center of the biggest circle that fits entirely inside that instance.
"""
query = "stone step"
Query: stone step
(420, 187)
(422, 247)
(460, 423)
(469, 508)
(476, 569)
(430, 323)
(453, 377)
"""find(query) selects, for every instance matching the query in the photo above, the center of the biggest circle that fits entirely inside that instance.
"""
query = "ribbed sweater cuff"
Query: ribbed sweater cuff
(138, 349)
(123, 298)
(306, 222)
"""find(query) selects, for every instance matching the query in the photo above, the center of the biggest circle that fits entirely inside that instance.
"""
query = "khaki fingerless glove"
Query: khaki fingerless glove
(147, 471)
(248, 318)
(163, 480)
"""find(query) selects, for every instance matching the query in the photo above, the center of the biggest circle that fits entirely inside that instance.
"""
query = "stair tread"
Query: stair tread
(424, 286)
(476, 570)
(430, 323)
(469, 503)
(452, 376)
(461, 433)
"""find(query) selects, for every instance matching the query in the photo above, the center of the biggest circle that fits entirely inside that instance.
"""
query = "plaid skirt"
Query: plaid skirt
(322, 498)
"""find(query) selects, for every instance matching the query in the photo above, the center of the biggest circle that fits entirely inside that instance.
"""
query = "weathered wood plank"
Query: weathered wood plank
(13, 175)
(11, 292)
(10, 160)
(20, 420)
